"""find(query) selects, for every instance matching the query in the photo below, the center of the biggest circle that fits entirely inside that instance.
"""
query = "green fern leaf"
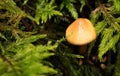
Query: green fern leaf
(116, 5)
(13, 9)
(112, 21)
(109, 45)
(68, 4)
(30, 39)
(82, 4)
(95, 16)
(100, 26)
(108, 42)
(112, 42)
(27, 59)
(45, 11)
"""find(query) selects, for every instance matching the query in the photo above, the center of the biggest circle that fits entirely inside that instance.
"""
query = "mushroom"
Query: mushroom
(81, 32)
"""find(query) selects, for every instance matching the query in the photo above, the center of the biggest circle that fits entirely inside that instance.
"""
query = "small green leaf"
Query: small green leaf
(2, 36)
(30, 39)
(82, 4)
(25, 2)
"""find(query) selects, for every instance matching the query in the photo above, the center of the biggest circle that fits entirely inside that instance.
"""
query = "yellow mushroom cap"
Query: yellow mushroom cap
(80, 32)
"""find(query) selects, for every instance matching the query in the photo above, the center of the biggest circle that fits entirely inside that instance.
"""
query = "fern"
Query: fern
(100, 26)
(112, 22)
(110, 36)
(83, 2)
(25, 59)
(70, 7)
(107, 29)
(95, 16)
(11, 18)
(116, 5)
(108, 42)
(13, 10)
(45, 10)
(29, 39)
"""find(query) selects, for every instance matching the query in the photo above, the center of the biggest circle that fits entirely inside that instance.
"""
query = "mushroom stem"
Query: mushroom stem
(83, 49)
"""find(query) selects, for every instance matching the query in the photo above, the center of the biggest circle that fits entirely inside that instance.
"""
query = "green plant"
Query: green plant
(68, 4)
(45, 10)
(108, 28)
(19, 55)
(22, 58)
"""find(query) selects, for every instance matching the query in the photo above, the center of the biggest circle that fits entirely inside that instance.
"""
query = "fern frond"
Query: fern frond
(109, 30)
(27, 59)
(45, 10)
(108, 42)
(30, 39)
(100, 26)
(83, 2)
(95, 16)
(116, 5)
(70, 7)
(112, 42)
(112, 21)
(13, 9)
